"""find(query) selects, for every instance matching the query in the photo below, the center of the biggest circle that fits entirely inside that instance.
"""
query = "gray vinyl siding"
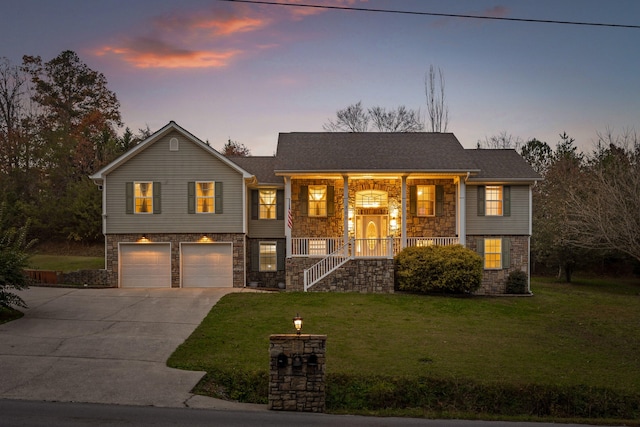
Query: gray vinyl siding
(266, 228)
(173, 170)
(516, 223)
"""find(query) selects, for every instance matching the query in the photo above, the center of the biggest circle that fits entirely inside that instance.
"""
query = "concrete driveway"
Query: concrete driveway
(105, 346)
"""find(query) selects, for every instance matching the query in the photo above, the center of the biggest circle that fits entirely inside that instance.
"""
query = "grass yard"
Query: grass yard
(65, 263)
(585, 336)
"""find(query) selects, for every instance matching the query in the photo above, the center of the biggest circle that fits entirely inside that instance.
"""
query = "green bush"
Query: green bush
(451, 269)
(517, 282)
(13, 259)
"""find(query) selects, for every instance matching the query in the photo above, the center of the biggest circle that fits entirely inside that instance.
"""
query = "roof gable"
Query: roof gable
(371, 151)
(156, 136)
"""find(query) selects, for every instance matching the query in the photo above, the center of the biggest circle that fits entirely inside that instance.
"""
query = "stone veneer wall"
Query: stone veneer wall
(441, 226)
(434, 226)
(297, 388)
(494, 282)
(175, 240)
(357, 275)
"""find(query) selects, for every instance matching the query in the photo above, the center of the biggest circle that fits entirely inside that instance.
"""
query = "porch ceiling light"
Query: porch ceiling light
(297, 323)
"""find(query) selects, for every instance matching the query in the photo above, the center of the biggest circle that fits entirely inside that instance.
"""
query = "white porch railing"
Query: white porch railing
(373, 248)
(424, 241)
(315, 246)
(324, 267)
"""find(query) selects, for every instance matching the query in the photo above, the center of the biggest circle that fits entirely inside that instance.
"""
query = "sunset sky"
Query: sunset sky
(247, 72)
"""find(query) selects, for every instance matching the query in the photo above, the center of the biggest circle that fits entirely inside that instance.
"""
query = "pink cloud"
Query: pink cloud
(208, 38)
(148, 53)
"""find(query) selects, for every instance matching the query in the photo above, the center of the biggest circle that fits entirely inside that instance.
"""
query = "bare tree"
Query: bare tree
(351, 119)
(400, 120)
(437, 108)
(503, 140)
(604, 209)
(354, 118)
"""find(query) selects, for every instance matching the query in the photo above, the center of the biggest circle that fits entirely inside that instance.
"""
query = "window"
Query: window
(267, 200)
(205, 200)
(493, 200)
(143, 197)
(268, 256)
(426, 200)
(492, 253)
(317, 200)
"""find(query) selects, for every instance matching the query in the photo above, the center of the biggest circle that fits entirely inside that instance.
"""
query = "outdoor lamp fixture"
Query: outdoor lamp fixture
(297, 322)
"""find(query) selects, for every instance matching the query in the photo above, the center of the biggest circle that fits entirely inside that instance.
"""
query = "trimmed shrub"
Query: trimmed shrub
(452, 269)
(517, 282)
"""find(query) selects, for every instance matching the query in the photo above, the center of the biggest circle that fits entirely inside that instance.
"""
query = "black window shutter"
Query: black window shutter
(331, 205)
(157, 200)
(481, 201)
(280, 204)
(280, 255)
(506, 252)
(191, 197)
(129, 196)
(218, 197)
(255, 205)
(439, 200)
(413, 199)
(506, 200)
(303, 198)
(255, 255)
(480, 248)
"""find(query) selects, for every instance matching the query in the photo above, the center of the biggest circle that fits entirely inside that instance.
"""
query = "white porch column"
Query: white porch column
(345, 208)
(404, 212)
(462, 216)
(287, 202)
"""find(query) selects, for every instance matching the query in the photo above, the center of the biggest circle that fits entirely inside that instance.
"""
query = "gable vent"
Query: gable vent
(173, 144)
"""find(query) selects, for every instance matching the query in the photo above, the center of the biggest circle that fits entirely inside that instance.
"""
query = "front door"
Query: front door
(371, 233)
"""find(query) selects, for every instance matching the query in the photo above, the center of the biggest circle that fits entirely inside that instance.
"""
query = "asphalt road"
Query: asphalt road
(14, 413)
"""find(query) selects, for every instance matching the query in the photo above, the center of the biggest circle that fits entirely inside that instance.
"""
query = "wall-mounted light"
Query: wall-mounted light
(205, 239)
(143, 239)
(297, 323)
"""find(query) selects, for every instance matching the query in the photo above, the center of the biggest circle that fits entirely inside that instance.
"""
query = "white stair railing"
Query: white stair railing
(326, 266)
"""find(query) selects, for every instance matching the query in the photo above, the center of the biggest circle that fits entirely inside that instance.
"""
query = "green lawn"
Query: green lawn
(581, 335)
(65, 263)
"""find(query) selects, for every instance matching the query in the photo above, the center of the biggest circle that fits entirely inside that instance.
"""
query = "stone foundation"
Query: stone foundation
(357, 275)
(297, 372)
(494, 282)
(237, 239)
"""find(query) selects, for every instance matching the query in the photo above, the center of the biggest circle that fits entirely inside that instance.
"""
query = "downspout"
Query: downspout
(287, 201)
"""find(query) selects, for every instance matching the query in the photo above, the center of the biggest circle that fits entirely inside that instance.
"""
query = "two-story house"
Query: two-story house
(327, 213)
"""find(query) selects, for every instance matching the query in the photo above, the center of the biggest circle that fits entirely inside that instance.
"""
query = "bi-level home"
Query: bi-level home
(327, 213)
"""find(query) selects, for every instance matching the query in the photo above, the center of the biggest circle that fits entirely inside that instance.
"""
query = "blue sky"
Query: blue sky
(246, 72)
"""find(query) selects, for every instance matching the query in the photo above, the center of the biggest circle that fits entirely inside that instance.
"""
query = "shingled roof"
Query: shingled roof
(302, 152)
(261, 167)
(501, 165)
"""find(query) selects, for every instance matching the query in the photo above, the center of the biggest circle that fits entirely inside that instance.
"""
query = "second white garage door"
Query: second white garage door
(207, 265)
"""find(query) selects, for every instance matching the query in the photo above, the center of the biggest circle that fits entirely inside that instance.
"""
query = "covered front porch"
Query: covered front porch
(335, 219)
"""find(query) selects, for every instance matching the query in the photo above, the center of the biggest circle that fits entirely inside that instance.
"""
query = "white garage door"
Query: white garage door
(145, 265)
(207, 265)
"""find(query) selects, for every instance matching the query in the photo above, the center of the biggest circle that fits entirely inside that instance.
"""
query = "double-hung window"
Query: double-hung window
(318, 200)
(268, 256)
(267, 201)
(426, 200)
(493, 200)
(205, 199)
(492, 254)
(143, 197)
